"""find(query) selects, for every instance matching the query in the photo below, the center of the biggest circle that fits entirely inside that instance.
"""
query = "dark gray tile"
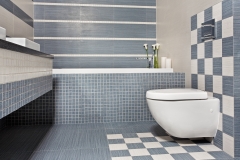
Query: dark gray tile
(218, 139)
(201, 66)
(135, 145)
(149, 139)
(227, 47)
(142, 158)
(208, 14)
(60, 139)
(130, 31)
(193, 149)
(130, 135)
(154, 151)
(219, 30)
(228, 85)
(116, 141)
(120, 153)
(220, 155)
(208, 49)
(209, 83)
(237, 66)
(84, 154)
(130, 14)
(151, 15)
(228, 123)
(169, 144)
(199, 35)
(194, 51)
(217, 66)
(193, 22)
(227, 10)
(182, 156)
(194, 81)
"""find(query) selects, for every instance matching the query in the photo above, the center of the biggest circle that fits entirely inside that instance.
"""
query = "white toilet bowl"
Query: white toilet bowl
(184, 113)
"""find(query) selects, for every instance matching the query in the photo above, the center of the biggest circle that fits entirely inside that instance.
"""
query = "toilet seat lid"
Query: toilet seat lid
(176, 94)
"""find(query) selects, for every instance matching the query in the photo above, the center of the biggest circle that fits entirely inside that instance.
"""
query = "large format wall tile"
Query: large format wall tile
(15, 19)
(224, 82)
(57, 24)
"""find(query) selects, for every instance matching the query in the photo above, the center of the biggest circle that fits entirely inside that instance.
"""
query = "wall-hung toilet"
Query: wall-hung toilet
(185, 113)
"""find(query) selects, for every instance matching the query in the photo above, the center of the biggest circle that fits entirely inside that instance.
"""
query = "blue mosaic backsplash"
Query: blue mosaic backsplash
(96, 98)
(17, 94)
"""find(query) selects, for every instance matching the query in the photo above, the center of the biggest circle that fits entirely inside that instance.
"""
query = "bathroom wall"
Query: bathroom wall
(173, 25)
(25, 75)
(215, 68)
(96, 98)
(17, 18)
(95, 34)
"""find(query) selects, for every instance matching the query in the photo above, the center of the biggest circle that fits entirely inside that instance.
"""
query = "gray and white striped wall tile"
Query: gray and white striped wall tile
(94, 28)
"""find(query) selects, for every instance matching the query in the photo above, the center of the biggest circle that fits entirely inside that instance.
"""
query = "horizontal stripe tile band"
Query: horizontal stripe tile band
(86, 38)
(93, 5)
(101, 22)
(99, 55)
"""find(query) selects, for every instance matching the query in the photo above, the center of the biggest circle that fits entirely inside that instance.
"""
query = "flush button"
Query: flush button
(211, 110)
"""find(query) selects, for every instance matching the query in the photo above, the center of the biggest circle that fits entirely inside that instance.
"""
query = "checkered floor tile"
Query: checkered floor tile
(146, 146)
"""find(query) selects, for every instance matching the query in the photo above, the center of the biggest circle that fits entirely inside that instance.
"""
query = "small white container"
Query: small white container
(163, 62)
(2, 33)
(168, 63)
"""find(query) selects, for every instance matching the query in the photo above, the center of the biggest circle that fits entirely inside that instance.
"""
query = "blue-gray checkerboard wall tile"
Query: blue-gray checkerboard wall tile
(218, 29)
(201, 66)
(218, 139)
(199, 35)
(208, 49)
(228, 125)
(194, 81)
(193, 22)
(227, 82)
(227, 9)
(227, 47)
(194, 51)
(208, 14)
(217, 66)
(236, 86)
(209, 83)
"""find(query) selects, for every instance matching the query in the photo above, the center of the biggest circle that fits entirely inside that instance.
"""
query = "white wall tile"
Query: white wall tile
(200, 19)
(228, 144)
(227, 27)
(208, 66)
(217, 48)
(194, 37)
(220, 122)
(194, 66)
(227, 66)
(217, 12)
(201, 51)
(201, 82)
(210, 94)
(217, 84)
(228, 105)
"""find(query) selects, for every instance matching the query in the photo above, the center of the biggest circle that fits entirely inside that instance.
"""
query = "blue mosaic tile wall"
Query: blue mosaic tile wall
(216, 68)
(17, 94)
(71, 29)
(96, 98)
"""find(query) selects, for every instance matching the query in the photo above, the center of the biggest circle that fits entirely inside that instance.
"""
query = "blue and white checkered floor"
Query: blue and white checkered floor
(102, 141)
(146, 146)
